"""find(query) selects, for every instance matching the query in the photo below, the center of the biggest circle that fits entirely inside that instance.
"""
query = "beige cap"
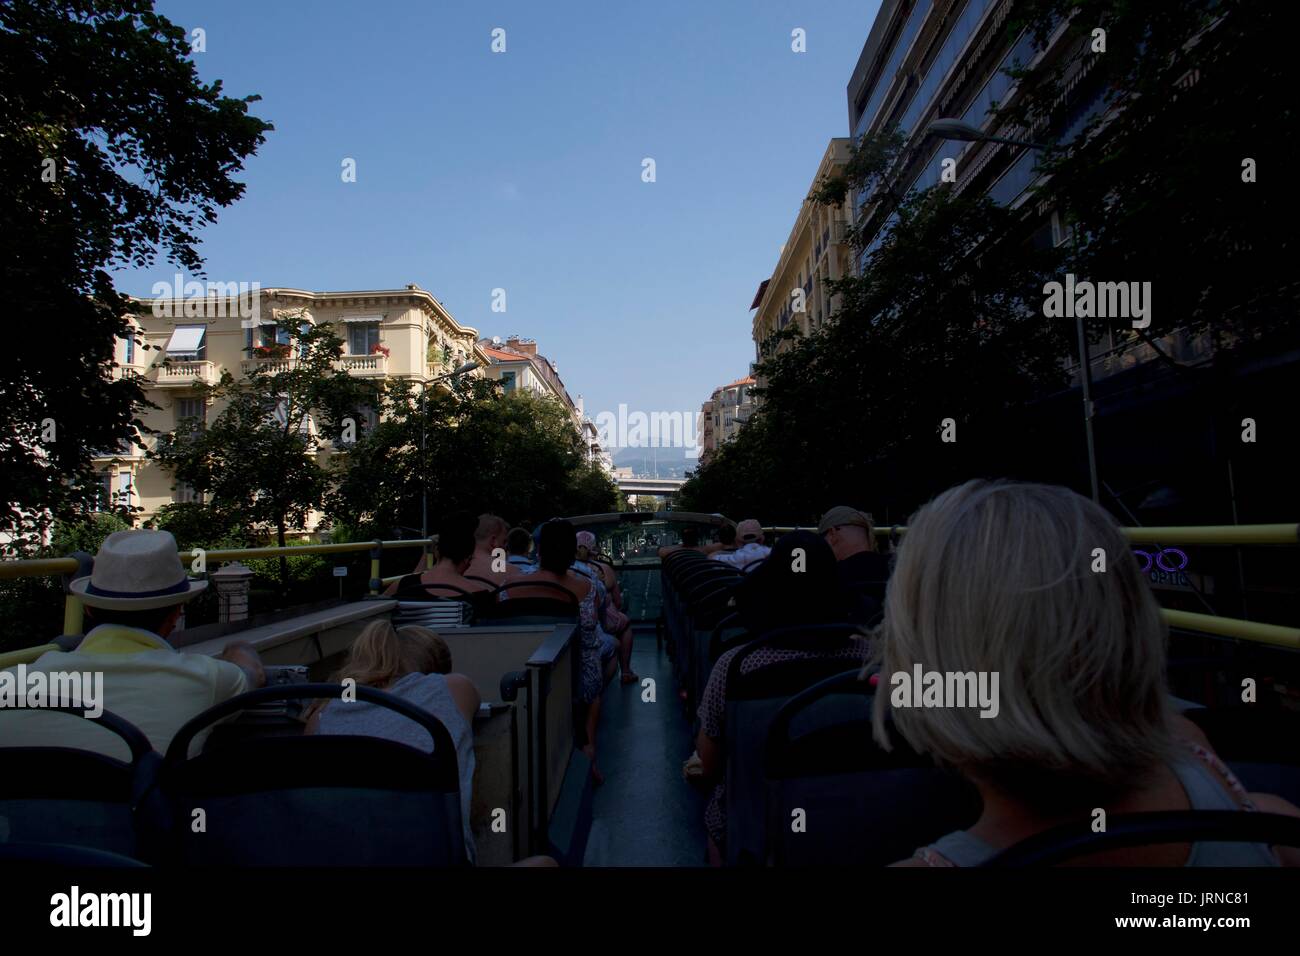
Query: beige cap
(749, 530)
(842, 515)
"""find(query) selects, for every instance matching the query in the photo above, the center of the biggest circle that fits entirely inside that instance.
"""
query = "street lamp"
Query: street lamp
(424, 471)
(955, 129)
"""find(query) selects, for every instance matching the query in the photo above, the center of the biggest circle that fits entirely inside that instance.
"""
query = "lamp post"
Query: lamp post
(424, 472)
(955, 129)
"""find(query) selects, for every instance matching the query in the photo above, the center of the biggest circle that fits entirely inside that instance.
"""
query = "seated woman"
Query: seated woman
(784, 591)
(609, 600)
(998, 578)
(455, 552)
(409, 664)
(556, 551)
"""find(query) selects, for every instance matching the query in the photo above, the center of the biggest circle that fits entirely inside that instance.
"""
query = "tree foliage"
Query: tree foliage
(468, 448)
(947, 320)
(258, 460)
(112, 152)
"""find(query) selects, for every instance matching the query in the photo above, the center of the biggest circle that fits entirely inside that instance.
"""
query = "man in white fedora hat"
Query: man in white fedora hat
(134, 599)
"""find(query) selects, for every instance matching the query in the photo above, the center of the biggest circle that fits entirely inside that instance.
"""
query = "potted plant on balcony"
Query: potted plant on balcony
(271, 351)
(378, 349)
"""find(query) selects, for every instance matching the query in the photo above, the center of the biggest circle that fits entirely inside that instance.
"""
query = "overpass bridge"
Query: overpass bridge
(650, 486)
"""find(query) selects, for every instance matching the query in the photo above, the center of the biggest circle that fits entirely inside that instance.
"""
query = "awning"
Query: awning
(186, 339)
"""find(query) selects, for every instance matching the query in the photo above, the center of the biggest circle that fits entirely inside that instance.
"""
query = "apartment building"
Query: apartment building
(930, 59)
(178, 342)
(722, 416)
(516, 364)
(816, 252)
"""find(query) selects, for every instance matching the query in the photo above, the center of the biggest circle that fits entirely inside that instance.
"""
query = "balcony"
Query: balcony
(183, 374)
(134, 370)
(374, 365)
(270, 365)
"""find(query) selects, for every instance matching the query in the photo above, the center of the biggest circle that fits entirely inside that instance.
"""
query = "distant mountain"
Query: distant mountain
(655, 462)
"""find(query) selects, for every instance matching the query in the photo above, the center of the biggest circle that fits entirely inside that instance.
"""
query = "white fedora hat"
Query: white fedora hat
(136, 571)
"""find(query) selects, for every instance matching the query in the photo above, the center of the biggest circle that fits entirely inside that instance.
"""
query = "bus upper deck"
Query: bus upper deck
(806, 779)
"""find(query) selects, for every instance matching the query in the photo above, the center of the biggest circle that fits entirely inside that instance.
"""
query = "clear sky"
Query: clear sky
(522, 170)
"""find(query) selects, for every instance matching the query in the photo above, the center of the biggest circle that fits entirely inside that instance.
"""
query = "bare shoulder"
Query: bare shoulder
(463, 690)
(1271, 803)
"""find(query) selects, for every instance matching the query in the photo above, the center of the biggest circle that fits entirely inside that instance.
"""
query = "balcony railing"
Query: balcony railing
(365, 366)
(270, 365)
(183, 373)
(133, 370)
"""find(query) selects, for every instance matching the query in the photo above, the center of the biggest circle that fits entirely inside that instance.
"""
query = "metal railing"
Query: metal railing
(1210, 535)
(73, 611)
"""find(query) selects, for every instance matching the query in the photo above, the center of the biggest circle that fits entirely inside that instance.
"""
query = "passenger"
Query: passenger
(610, 602)
(455, 551)
(785, 591)
(134, 599)
(690, 541)
(558, 547)
(407, 664)
(726, 542)
(998, 578)
(519, 545)
(863, 570)
(489, 551)
(752, 550)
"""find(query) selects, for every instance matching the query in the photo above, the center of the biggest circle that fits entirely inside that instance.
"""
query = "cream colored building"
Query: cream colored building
(517, 364)
(387, 334)
(722, 416)
(816, 252)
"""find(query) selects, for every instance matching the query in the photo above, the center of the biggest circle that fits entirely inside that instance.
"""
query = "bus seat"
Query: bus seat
(752, 702)
(77, 798)
(835, 797)
(314, 800)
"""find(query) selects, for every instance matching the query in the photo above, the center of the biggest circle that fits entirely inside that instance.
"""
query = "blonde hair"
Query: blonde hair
(999, 577)
(424, 651)
(381, 655)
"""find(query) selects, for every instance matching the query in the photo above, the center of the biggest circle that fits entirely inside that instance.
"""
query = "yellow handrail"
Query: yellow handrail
(1213, 535)
(39, 567)
(1232, 627)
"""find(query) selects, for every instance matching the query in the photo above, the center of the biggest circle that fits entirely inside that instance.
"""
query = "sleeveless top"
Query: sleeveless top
(428, 692)
(1204, 792)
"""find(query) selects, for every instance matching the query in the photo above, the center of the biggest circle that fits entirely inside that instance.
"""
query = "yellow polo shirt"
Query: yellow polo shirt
(146, 682)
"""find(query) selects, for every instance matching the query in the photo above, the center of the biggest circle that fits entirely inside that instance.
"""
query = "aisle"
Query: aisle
(645, 814)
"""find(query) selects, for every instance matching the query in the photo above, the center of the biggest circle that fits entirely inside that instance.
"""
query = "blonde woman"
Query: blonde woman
(414, 664)
(998, 578)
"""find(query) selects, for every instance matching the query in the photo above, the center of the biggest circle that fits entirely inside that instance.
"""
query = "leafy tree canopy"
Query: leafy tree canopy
(113, 152)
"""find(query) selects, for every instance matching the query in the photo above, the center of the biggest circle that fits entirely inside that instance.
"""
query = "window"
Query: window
(185, 494)
(187, 342)
(187, 408)
(123, 489)
(508, 381)
(362, 337)
(277, 411)
(130, 348)
(103, 498)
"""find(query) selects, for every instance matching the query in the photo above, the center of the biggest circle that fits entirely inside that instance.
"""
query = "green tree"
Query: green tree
(935, 330)
(258, 460)
(947, 320)
(112, 152)
(469, 448)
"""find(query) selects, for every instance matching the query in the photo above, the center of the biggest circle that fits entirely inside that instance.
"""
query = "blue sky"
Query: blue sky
(522, 170)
